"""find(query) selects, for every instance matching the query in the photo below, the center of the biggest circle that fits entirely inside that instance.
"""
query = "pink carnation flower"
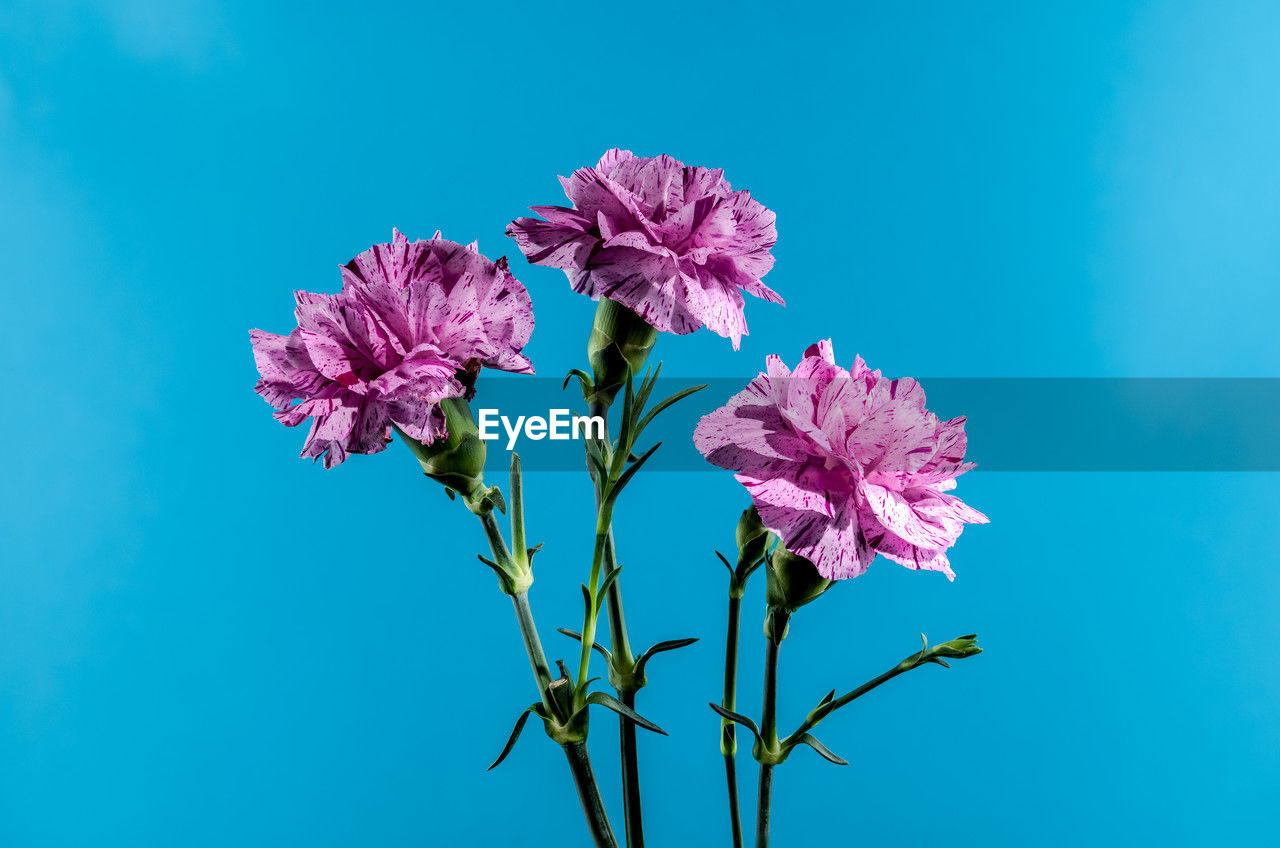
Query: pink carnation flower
(672, 243)
(413, 324)
(844, 465)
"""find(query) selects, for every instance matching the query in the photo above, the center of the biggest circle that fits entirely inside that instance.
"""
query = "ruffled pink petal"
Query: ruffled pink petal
(673, 243)
(750, 435)
(389, 347)
(909, 523)
(844, 464)
(286, 369)
(809, 524)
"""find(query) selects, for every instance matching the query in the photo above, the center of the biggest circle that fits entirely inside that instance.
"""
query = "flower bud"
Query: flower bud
(457, 460)
(752, 537)
(965, 646)
(793, 581)
(619, 345)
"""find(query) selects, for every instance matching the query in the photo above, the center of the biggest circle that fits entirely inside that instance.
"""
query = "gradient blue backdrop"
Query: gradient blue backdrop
(207, 641)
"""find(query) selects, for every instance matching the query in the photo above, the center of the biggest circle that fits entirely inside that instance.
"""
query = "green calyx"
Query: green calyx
(793, 581)
(457, 461)
(619, 346)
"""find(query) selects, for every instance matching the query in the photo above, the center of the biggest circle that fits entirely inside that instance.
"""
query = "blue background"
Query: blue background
(207, 641)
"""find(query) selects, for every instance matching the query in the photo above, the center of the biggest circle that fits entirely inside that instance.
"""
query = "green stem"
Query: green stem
(763, 799)
(524, 613)
(775, 630)
(619, 642)
(533, 646)
(576, 752)
(592, 806)
(593, 589)
(868, 686)
(728, 738)
(903, 667)
(630, 774)
(620, 646)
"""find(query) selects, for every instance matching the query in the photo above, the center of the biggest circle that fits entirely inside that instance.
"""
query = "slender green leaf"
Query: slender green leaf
(531, 551)
(670, 645)
(609, 580)
(822, 750)
(583, 378)
(631, 472)
(675, 398)
(642, 396)
(612, 703)
(515, 734)
(737, 718)
(573, 634)
(726, 563)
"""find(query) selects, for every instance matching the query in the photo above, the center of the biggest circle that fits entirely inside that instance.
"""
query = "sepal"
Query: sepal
(457, 460)
(618, 347)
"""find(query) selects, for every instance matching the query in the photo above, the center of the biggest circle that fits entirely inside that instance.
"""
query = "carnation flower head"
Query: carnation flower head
(675, 244)
(843, 465)
(413, 324)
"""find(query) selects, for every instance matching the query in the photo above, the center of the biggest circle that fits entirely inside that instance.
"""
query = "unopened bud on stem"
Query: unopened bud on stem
(793, 581)
(752, 537)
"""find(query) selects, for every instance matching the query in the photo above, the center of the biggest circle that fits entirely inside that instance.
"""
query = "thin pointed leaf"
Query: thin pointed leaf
(612, 703)
(631, 472)
(625, 438)
(531, 551)
(669, 645)
(573, 634)
(823, 751)
(737, 718)
(637, 407)
(726, 563)
(515, 734)
(751, 569)
(596, 458)
(675, 398)
(583, 378)
(609, 580)
(651, 380)
(497, 569)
